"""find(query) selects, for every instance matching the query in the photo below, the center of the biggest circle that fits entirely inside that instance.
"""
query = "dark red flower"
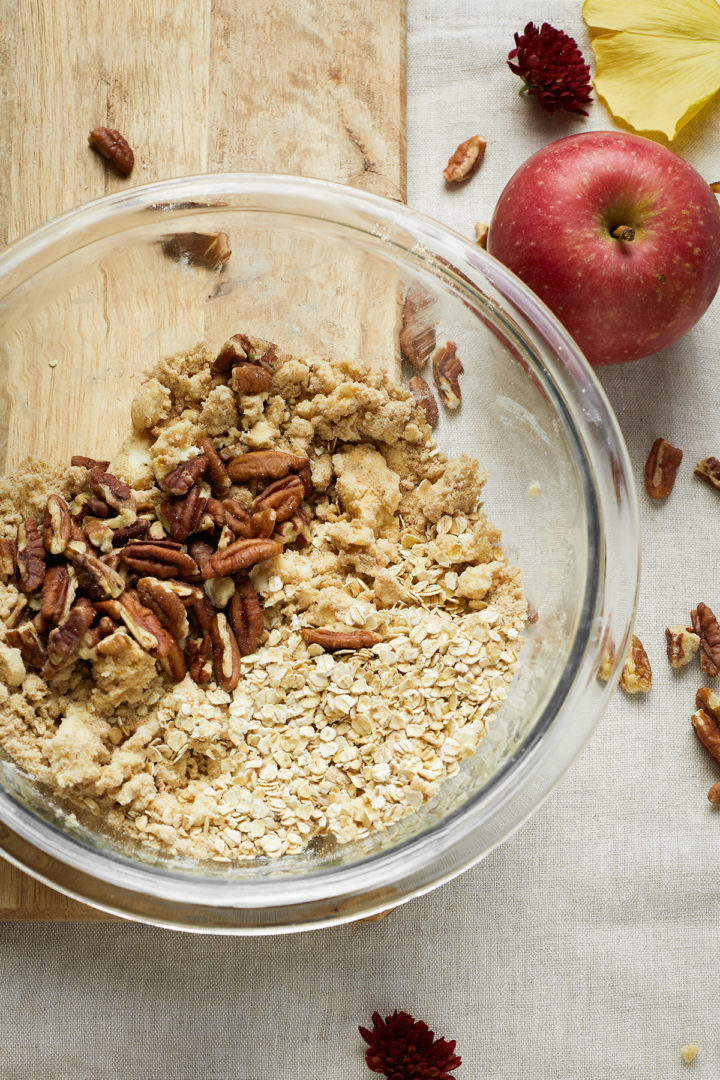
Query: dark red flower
(405, 1049)
(552, 67)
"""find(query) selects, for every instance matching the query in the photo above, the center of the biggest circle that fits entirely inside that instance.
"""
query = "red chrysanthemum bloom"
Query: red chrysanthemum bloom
(552, 67)
(405, 1049)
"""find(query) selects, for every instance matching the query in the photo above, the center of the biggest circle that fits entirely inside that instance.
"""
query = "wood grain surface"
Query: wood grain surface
(310, 87)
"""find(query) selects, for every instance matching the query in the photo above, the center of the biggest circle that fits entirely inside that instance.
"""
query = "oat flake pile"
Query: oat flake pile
(279, 613)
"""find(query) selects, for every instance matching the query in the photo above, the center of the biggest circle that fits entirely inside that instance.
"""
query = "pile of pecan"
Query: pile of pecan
(172, 574)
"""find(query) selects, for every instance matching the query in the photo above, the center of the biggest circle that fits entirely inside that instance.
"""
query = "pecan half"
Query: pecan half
(99, 534)
(426, 399)
(184, 515)
(447, 368)
(225, 654)
(65, 639)
(201, 249)
(239, 556)
(661, 468)
(132, 532)
(262, 523)
(8, 556)
(283, 496)
(265, 465)
(142, 623)
(198, 655)
(157, 559)
(82, 462)
(705, 625)
(707, 730)
(31, 556)
(58, 593)
(236, 518)
(182, 477)
(246, 617)
(113, 146)
(339, 639)
(682, 644)
(27, 640)
(714, 794)
(94, 577)
(417, 336)
(708, 469)
(220, 482)
(244, 347)
(250, 379)
(707, 699)
(162, 599)
(465, 160)
(57, 525)
(636, 675)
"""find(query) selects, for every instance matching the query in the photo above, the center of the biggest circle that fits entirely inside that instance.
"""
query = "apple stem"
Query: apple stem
(624, 232)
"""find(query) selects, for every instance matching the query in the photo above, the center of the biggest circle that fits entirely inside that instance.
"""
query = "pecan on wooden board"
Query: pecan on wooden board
(113, 146)
(339, 639)
(661, 468)
(636, 675)
(426, 399)
(705, 625)
(417, 334)
(708, 469)
(466, 159)
(199, 249)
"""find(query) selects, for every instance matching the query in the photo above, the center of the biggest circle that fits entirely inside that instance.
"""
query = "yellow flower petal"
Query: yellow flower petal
(658, 61)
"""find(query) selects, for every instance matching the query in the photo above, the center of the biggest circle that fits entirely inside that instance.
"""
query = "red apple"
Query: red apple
(619, 236)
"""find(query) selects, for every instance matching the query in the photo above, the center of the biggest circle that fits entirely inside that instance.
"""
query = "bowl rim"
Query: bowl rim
(53, 856)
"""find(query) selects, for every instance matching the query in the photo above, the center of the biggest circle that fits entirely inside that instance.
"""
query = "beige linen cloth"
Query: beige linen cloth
(585, 948)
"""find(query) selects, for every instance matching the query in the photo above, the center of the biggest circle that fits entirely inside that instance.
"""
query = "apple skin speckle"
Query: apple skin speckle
(620, 300)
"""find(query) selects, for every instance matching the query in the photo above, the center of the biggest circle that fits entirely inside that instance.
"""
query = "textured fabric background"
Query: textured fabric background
(586, 947)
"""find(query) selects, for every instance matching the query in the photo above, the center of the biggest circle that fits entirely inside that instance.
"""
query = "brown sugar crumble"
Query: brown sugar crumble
(278, 613)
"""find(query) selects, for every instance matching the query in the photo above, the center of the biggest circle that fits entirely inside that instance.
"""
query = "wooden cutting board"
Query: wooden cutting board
(310, 87)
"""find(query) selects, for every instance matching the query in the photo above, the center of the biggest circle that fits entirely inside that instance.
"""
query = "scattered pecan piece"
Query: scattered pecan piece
(465, 160)
(246, 617)
(661, 468)
(160, 597)
(447, 368)
(225, 654)
(707, 730)
(283, 496)
(113, 146)
(705, 625)
(82, 462)
(239, 556)
(65, 639)
(425, 398)
(58, 593)
(250, 379)
(27, 640)
(244, 347)
(339, 639)
(417, 336)
(94, 577)
(201, 249)
(31, 556)
(481, 234)
(682, 644)
(220, 482)
(157, 559)
(181, 479)
(57, 525)
(714, 794)
(184, 515)
(636, 675)
(708, 469)
(8, 557)
(198, 655)
(265, 465)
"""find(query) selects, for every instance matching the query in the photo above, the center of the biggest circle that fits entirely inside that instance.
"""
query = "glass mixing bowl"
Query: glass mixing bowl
(90, 300)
